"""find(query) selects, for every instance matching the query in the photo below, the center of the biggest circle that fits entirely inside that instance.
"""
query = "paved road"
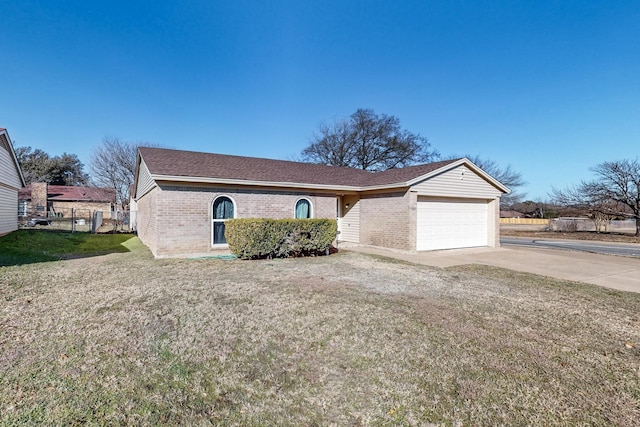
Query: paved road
(623, 249)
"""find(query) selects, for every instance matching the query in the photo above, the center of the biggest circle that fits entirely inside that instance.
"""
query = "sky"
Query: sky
(551, 88)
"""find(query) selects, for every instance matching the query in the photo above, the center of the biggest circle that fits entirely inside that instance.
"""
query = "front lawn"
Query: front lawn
(346, 339)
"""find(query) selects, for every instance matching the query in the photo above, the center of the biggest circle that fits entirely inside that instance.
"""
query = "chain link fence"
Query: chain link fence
(73, 220)
(123, 221)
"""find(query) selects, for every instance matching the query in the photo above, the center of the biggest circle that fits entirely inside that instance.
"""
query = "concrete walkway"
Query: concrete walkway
(614, 272)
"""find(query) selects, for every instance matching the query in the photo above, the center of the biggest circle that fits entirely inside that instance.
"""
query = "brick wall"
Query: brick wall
(388, 220)
(147, 222)
(39, 191)
(82, 209)
(184, 214)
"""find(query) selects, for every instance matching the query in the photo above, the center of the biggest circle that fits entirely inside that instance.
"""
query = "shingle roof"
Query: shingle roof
(178, 163)
(61, 192)
(406, 174)
(162, 161)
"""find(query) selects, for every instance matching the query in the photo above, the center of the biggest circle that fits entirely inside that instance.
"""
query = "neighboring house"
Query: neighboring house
(183, 199)
(11, 181)
(511, 214)
(40, 199)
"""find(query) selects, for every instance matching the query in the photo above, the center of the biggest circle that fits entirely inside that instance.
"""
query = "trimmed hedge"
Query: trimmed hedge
(279, 238)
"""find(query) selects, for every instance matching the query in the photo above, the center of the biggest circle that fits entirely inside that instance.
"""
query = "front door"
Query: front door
(349, 219)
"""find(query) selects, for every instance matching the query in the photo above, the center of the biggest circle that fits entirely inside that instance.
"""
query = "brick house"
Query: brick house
(40, 199)
(11, 181)
(184, 197)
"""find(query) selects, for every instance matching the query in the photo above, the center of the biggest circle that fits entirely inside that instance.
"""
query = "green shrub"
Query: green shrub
(279, 238)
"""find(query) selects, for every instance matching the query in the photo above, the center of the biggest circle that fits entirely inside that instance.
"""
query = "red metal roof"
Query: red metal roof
(73, 193)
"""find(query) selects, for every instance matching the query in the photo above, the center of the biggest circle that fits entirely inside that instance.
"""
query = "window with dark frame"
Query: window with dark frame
(223, 210)
(303, 209)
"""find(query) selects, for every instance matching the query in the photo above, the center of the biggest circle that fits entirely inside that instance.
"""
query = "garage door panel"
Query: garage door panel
(454, 223)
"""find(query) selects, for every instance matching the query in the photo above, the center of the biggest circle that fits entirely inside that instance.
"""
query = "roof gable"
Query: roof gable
(457, 180)
(5, 144)
(457, 163)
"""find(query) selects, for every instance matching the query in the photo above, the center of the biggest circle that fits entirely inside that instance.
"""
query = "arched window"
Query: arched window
(223, 209)
(303, 209)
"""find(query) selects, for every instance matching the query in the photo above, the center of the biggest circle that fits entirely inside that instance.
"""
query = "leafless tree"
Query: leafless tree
(614, 191)
(333, 145)
(113, 165)
(601, 220)
(367, 141)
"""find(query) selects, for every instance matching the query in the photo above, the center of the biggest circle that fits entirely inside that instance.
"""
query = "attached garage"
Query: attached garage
(452, 223)
(457, 206)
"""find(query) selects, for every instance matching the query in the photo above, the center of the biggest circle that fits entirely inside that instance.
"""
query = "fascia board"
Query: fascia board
(206, 180)
(384, 187)
(135, 178)
(339, 188)
(139, 165)
(14, 157)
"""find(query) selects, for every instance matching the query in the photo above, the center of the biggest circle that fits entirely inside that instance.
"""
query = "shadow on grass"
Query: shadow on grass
(33, 246)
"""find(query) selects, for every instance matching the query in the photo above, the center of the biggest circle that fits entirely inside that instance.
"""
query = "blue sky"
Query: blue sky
(549, 87)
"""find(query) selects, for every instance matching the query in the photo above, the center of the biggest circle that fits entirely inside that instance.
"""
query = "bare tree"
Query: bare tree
(615, 191)
(113, 165)
(333, 145)
(601, 221)
(367, 141)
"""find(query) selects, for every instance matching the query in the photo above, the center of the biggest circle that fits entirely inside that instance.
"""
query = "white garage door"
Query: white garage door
(452, 223)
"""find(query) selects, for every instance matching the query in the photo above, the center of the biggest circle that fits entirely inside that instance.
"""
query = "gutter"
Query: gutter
(338, 188)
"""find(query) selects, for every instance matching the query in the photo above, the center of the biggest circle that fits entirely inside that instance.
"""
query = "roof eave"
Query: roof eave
(135, 178)
(15, 157)
(384, 187)
(334, 187)
(226, 181)
(67, 199)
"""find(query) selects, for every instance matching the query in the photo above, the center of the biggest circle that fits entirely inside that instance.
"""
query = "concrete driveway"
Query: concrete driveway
(611, 271)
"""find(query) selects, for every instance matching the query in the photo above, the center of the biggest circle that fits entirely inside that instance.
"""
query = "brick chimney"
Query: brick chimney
(39, 197)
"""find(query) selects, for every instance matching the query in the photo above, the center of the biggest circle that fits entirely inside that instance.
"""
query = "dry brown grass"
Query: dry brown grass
(342, 340)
